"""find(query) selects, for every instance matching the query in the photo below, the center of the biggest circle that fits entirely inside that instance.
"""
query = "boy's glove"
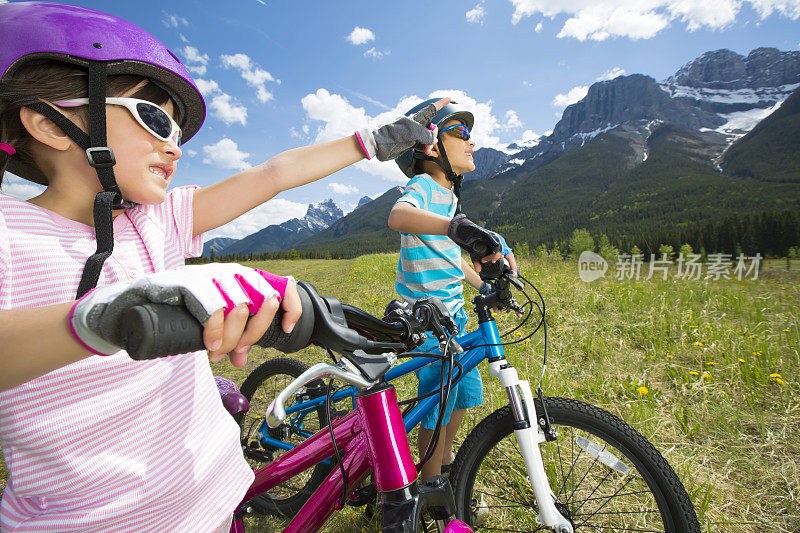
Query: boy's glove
(202, 289)
(475, 240)
(392, 140)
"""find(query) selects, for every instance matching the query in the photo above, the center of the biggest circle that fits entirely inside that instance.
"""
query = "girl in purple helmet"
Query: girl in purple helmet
(96, 109)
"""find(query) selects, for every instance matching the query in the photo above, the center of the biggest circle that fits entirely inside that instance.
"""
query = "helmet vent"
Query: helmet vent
(97, 45)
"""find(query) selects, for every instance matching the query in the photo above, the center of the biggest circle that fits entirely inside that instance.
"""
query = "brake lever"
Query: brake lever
(433, 313)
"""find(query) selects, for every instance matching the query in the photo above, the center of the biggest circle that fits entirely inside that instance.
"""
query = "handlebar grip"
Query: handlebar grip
(492, 270)
(151, 331)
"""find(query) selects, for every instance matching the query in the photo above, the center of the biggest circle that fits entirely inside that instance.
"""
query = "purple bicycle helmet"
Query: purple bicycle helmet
(80, 36)
(104, 45)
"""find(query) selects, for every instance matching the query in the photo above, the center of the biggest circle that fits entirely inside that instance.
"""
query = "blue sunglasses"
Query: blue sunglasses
(457, 130)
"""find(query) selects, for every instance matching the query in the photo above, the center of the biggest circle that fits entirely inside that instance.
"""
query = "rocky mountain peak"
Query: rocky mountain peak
(364, 200)
(724, 69)
(626, 99)
(320, 215)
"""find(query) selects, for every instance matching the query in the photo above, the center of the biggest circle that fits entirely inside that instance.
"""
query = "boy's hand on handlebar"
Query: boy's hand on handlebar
(481, 245)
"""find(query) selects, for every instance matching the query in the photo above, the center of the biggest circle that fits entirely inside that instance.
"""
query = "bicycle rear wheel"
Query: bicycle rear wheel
(260, 388)
(605, 475)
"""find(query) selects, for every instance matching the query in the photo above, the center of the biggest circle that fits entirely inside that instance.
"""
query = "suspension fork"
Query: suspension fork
(529, 436)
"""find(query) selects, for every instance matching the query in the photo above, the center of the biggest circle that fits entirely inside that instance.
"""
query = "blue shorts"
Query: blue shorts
(466, 393)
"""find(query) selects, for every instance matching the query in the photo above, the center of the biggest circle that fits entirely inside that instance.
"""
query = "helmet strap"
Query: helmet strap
(101, 158)
(444, 164)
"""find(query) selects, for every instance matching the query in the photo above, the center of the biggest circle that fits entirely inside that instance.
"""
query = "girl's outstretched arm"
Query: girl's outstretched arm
(222, 202)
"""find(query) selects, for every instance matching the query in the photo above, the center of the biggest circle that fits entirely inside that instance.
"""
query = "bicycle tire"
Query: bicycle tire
(648, 496)
(260, 388)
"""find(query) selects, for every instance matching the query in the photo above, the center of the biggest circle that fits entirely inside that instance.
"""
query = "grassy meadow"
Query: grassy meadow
(706, 370)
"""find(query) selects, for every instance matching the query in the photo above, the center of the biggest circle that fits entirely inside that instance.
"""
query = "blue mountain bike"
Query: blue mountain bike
(539, 463)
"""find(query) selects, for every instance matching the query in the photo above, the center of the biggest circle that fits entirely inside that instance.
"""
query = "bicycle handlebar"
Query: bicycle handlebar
(150, 331)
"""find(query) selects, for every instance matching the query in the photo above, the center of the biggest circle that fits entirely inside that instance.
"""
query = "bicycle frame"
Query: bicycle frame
(527, 432)
(374, 429)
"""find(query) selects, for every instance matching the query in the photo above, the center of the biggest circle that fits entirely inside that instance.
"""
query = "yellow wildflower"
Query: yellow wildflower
(706, 375)
(642, 390)
(693, 373)
(742, 360)
(698, 343)
(775, 376)
(779, 381)
(711, 363)
(670, 357)
(786, 330)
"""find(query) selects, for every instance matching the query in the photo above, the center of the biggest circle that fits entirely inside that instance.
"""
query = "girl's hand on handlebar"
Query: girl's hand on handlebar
(229, 293)
(233, 335)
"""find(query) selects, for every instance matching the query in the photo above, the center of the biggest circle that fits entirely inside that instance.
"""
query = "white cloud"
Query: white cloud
(20, 188)
(787, 8)
(223, 106)
(275, 211)
(475, 15)
(360, 36)
(339, 118)
(512, 121)
(254, 76)
(196, 61)
(228, 110)
(170, 21)
(575, 94)
(226, 154)
(375, 54)
(190, 152)
(341, 188)
(610, 74)
(599, 22)
(530, 136)
(539, 27)
(602, 19)
(206, 87)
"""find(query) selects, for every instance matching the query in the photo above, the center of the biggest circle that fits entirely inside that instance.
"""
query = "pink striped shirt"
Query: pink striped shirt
(108, 443)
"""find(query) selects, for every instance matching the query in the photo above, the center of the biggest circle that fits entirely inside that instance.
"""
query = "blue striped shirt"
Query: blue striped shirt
(430, 265)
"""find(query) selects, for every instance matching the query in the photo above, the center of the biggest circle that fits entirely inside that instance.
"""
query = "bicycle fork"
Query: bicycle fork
(529, 436)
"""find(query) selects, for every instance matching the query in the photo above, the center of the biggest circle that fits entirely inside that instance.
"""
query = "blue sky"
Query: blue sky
(277, 75)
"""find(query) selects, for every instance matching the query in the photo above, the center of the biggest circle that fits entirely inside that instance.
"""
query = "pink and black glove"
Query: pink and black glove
(202, 289)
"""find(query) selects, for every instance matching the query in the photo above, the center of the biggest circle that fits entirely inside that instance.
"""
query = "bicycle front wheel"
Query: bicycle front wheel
(605, 475)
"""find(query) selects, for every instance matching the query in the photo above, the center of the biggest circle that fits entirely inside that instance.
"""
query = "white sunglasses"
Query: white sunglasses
(150, 116)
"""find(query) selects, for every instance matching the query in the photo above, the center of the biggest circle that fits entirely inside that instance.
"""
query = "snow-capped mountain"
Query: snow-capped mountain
(282, 236)
(721, 95)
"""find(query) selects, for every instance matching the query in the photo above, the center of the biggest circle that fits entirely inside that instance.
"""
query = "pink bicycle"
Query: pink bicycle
(370, 439)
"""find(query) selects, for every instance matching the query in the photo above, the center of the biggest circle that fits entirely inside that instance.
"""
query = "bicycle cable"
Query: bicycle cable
(443, 400)
(337, 454)
(432, 355)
